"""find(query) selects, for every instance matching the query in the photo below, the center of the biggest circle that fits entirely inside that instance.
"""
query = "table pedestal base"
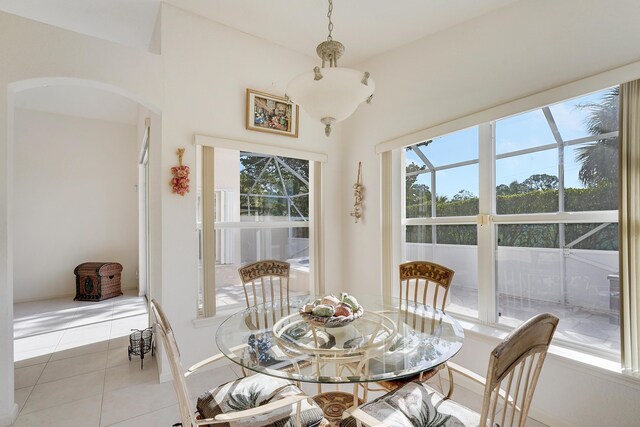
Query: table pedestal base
(333, 404)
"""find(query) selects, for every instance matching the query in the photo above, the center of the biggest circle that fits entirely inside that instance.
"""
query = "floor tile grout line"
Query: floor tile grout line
(53, 407)
(65, 378)
(34, 387)
(141, 415)
(74, 314)
(104, 380)
(27, 399)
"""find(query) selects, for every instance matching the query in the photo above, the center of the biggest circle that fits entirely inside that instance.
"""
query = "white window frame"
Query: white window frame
(315, 223)
(487, 219)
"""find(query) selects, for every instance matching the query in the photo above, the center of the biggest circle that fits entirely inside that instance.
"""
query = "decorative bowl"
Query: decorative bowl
(331, 322)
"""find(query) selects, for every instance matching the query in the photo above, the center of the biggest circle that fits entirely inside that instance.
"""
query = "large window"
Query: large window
(549, 196)
(260, 210)
(441, 204)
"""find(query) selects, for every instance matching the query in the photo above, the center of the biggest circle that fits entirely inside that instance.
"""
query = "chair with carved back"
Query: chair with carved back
(421, 283)
(267, 282)
(256, 400)
(512, 374)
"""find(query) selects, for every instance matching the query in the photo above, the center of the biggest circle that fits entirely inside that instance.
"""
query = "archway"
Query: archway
(14, 92)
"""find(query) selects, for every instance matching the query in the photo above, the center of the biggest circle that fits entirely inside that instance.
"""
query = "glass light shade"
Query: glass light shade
(336, 95)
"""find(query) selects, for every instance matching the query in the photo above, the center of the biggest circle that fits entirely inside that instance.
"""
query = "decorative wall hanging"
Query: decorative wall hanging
(270, 113)
(180, 181)
(357, 193)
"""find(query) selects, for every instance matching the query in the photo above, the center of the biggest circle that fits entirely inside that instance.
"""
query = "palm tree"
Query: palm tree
(600, 159)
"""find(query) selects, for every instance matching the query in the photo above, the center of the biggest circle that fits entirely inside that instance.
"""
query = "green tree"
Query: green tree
(278, 177)
(462, 195)
(417, 196)
(599, 160)
(539, 182)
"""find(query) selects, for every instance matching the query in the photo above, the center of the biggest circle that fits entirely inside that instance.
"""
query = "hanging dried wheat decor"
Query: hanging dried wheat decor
(357, 194)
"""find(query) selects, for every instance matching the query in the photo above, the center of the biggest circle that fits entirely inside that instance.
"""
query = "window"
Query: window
(441, 204)
(549, 195)
(260, 210)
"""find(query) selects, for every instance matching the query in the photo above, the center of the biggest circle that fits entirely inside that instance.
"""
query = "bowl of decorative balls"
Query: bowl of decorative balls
(332, 311)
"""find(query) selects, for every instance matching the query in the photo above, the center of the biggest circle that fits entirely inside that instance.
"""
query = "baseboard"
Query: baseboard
(7, 420)
(17, 301)
(133, 289)
(165, 377)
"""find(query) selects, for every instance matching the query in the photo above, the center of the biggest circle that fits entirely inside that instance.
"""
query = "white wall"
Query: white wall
(201, 81)
(207, 68)
(513, 52)
(75, 201)
(41, 54)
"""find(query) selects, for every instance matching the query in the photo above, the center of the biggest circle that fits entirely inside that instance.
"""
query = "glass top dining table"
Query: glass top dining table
(389, 341)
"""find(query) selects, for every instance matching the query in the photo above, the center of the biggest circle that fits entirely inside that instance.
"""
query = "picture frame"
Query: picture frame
(271, 114)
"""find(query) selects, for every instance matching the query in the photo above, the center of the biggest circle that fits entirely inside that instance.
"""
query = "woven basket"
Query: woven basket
(331, 322)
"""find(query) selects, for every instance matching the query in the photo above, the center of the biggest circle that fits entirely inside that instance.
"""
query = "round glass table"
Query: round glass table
(389, 341)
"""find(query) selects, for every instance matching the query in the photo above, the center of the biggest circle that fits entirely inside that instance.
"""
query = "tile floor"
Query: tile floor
(71, 368)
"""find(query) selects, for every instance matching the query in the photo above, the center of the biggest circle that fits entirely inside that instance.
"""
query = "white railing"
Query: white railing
(532, 273)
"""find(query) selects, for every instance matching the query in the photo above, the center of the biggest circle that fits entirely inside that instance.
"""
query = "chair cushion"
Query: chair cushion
(417, 404)
(252, 392)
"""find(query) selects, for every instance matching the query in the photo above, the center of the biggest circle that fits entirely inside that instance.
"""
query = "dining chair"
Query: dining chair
(266, 280)
(256, 400)
(426, 283)
(512, 374)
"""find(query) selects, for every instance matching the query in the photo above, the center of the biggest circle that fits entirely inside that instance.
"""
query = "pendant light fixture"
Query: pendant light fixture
(331, 94)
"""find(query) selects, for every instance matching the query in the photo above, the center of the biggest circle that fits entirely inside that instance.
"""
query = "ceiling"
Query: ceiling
(79, 101)
(366, 27)
(128, 22)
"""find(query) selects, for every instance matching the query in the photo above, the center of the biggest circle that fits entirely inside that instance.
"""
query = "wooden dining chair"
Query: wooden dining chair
(512, 375)
(264, 281)
(256, 400)
(426, 283)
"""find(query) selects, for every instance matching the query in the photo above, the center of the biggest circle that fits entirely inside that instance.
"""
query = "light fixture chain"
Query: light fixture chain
(330, 23)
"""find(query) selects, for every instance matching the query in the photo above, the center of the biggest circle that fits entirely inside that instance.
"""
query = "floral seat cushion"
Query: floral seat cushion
(417, 404)
(252, 392)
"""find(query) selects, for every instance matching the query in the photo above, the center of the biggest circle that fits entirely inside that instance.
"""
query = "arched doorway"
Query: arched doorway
(47, 176)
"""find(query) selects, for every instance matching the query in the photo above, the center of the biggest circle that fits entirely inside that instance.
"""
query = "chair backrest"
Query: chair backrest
(425, 282)
(514, 367)
(266, 280)
(163, 327)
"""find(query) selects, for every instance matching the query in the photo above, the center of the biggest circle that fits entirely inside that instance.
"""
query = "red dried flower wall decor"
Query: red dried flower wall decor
(180, 180)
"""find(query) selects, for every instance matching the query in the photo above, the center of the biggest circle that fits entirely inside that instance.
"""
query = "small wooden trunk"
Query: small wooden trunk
(96, 281)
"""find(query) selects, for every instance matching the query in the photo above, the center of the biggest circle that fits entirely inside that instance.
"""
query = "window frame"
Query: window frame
(314, 223)
(488, 220)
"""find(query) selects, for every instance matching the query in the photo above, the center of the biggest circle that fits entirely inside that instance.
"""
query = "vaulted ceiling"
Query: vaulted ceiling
(366, 27)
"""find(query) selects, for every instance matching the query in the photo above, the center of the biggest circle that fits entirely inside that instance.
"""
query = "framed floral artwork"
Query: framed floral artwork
(270, 113)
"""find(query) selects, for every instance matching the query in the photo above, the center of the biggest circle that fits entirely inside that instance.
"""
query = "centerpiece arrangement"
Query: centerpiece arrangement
(331, 311)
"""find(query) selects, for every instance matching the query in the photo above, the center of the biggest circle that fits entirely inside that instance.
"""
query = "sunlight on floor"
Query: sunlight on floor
(53, 326)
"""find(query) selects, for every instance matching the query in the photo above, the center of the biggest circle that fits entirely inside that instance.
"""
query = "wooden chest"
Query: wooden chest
(96, 281)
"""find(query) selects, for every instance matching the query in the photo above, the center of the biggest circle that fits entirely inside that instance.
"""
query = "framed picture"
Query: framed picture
(270, 113)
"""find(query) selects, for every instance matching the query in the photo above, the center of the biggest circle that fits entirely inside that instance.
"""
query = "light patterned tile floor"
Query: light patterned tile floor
(78, 373)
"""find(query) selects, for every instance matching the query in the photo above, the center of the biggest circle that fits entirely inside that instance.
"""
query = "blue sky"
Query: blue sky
(513, 133)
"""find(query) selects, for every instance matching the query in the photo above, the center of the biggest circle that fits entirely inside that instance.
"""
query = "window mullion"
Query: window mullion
(434, 234)
(487, 292)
